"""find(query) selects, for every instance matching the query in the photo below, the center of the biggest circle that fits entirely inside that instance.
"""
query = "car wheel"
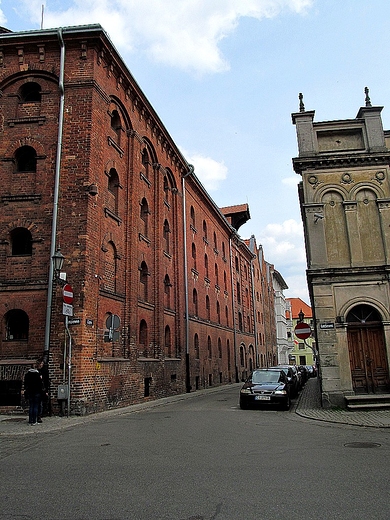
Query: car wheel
(243, 406)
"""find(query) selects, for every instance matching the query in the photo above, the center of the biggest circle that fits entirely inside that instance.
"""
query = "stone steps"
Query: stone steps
(368, 402)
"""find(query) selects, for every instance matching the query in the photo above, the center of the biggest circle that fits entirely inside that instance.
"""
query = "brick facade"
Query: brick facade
(145, 247)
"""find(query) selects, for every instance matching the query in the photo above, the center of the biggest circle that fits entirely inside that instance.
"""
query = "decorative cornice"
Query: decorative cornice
(323, 162)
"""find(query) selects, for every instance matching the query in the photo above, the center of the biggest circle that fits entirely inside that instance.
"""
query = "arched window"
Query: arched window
(215, 240)
(206, 266)
(110, 267)
(116, 125)
(144, 214)
(216, 274)
(167, 291)
(205, 230)
(16, 325)
(30, 92)
(218, 312)
(219, 348)
(113, 188)
(224, 281)
(143, 337)
(195, 302)
(21, 242)
(237, 264)
(192, 217)
(196, 346)
(240, 321)
(362, 314)
(238, 292)
(227, 315)
(144, 274)
(223, 250)
(193, 253)
(242, 356)
(25, 159)
(166, 233)
(167, 342)
(208, 307)
(209, 348)
(146, 162)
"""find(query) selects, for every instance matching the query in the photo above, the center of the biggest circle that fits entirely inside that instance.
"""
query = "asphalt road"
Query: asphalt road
(197, 459)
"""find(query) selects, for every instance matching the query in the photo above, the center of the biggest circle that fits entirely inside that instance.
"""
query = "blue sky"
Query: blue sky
(224, 77)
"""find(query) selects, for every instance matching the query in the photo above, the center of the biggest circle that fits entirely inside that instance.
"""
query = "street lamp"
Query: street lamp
(58, 261)
(301, 316)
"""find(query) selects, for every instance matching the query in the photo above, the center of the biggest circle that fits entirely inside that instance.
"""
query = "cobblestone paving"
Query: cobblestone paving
(309, 406)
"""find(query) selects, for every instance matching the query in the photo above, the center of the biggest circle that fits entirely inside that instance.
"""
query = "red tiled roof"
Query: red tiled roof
(298, 305)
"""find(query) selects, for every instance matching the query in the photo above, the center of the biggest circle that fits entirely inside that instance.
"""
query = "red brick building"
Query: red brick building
(167, 297)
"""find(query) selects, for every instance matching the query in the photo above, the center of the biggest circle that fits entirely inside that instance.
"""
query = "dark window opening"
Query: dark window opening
(17, 325)
(26, 159)
(30, 93)
(21, 242)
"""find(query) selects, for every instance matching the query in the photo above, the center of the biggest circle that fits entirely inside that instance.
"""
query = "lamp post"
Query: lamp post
(301, 316)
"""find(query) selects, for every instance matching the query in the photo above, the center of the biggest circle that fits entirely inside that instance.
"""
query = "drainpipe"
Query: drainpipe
(187, 341)
(233, 309)
(254, 311)
(56, 195)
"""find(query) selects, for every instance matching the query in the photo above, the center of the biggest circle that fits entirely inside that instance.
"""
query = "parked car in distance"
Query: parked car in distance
(312, 371)
(293, 378)
(266, 387)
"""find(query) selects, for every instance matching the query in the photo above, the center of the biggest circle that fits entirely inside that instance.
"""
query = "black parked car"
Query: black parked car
(293, 378)
(266, 386)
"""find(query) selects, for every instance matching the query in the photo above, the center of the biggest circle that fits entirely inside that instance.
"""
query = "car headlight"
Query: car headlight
(280, 392)
(245, 391)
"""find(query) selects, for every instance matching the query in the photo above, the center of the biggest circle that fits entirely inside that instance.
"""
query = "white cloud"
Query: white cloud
(3, 19)
(291, 181)
(283, 246)
(209, 171)
(180, 33)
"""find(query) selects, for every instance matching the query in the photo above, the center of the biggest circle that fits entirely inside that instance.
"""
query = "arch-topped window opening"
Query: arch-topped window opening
(209, 348)
(208, 308)
(146, 162)
(167, 291)
(21, 242)
(363, 314)
(113, 186)
(116, 124)
(195, 301)
(225, 281)
(166, 233)
(16, 325)
(219, 348)
(215, 240)
(196, 346)
(218, 312)
(192, 217)
(206, 266)
(30, 92)
(143, 337)
(110, 267)
(144, 274)
(26, 159)
(228, 354)
(223, 250)
(205, 230)
(144, 216)
(237, 264)
(216, 274)
(167, 342)
(227, 315)
(193, 253)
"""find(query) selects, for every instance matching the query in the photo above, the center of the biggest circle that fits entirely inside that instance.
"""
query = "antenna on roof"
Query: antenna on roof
(43, 9)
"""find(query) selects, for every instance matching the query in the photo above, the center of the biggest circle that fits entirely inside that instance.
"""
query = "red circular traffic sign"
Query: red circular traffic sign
(302, 330)
(67, 293)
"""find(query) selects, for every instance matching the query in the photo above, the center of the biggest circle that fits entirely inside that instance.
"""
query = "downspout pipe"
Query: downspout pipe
(55, 196)
(187, 328)
(233, 308)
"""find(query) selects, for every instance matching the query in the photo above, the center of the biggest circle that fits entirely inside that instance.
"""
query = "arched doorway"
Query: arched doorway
(367, 350)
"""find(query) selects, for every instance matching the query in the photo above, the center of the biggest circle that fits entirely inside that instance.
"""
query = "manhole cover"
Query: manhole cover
(362, 445)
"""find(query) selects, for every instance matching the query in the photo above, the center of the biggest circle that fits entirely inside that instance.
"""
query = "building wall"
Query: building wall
(138, 232)
(344, 196)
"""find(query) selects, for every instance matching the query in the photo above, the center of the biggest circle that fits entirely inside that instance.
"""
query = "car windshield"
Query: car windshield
(266, 376)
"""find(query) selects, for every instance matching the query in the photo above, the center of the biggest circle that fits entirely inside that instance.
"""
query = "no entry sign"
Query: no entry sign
(67, 293)
(302, 330)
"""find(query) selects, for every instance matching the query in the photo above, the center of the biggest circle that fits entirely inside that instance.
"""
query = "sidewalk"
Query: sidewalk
(308, 406)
